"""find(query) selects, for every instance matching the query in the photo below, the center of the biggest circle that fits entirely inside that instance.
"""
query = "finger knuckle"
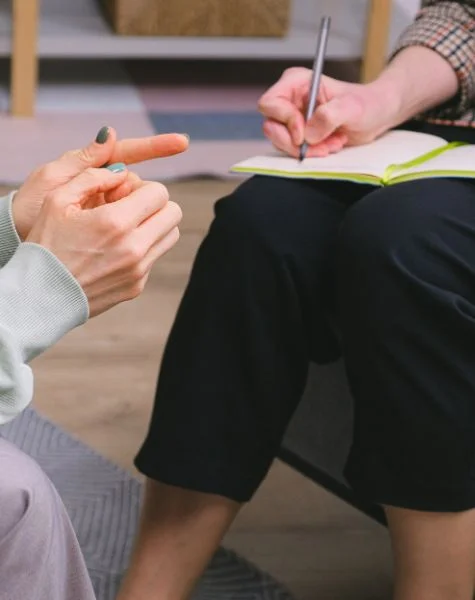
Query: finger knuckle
(135, 289)
(175, 236)
(133, 257)
(84, 156)
(325, 114)
(93, 174)
(262, 103)
(54, 199)
(136, 274)
(176, 212)
(48, 172)
(159, 191)
(289, 71)
(296, 71)
(113, 223)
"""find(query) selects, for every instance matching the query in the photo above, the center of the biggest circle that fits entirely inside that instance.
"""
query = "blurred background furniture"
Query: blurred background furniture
(24, 61)
(72, 30)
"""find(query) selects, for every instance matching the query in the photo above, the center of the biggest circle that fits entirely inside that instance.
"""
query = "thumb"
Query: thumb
(96, 154)
(90, 182)
(327, 119)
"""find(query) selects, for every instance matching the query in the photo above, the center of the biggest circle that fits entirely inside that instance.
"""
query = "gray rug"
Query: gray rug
(103, 502)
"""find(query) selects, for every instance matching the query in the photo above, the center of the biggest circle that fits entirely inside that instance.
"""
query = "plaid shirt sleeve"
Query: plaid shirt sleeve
(448, 28)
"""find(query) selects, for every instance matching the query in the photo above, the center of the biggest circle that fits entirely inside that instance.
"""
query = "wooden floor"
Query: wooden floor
(99, 382)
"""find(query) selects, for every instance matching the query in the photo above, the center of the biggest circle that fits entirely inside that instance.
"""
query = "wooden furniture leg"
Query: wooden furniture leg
(24, 60)
(377, 39)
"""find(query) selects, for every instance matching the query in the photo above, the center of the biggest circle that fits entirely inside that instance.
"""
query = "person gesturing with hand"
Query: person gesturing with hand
(106, 149)
(111, 247)
(75, 240)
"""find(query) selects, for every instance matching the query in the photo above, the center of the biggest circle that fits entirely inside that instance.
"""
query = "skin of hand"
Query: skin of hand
(350, 114)
(106, 149)
(108, 247)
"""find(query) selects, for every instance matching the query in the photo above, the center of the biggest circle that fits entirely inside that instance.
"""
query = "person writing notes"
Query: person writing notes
(296, 270)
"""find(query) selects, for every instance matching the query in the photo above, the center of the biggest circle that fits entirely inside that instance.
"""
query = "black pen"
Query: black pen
(317, 74)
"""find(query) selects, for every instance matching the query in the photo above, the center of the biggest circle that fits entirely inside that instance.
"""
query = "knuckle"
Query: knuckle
(48, 172)
(160, 192)
(296, 71)
(133, 257)
(68, 155)
(92, 174)
(84, 156)
(176, 212)
(113, 223)
(289, 71)
(262, 103)
(54, 198)
(135, 289)
(324, 114)
(174, 237)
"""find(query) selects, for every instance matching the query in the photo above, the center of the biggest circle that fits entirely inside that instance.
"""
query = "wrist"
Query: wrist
(416, 80)
(386, 102)
(18, 223)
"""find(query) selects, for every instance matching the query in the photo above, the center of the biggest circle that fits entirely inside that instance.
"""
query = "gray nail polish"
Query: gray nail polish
(103, 135)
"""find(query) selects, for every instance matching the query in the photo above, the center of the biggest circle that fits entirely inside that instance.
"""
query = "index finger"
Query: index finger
(135, 150)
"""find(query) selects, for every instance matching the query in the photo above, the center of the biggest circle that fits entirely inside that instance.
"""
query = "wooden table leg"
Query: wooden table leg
(24, 60)
(377, 39)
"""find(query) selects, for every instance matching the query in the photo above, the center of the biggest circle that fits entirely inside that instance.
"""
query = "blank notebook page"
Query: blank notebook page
(455, 159)
(370, 159)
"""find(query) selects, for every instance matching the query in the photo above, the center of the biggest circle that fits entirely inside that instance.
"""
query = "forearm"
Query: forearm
(416, 80)
(432, 65)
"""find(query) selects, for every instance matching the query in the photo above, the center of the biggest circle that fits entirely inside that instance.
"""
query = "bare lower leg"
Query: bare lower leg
(434, 554)
(179, 533)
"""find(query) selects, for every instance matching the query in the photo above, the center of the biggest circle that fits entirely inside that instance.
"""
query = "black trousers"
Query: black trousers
(298, 271)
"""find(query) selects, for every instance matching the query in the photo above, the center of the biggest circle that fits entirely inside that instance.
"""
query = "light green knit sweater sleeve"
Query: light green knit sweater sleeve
(9, 240)
(40, 301)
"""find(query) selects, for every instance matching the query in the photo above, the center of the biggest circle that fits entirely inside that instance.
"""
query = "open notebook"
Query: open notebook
(395, 157)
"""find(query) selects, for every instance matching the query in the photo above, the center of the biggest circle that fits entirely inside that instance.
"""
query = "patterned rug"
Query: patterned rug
(103, 502)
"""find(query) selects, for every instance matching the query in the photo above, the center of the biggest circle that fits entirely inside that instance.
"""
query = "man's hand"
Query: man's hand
(347, 114)
(105, 150)
(416, 80)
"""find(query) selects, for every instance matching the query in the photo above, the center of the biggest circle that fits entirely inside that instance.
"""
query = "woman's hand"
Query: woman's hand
(108, 248)
(347, 114)
(105, 150)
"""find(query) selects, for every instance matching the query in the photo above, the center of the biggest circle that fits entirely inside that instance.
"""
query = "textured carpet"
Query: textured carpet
(103, 502)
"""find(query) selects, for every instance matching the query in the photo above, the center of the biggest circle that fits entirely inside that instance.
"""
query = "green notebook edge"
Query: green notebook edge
(415, 162)
(320, 175)
(388, 176)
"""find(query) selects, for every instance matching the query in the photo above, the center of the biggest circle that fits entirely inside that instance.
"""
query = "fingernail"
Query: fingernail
(185, 135)
(117, 167)
(103, 135)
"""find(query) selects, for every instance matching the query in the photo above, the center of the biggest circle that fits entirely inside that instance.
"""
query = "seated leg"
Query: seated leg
(406, 294)
(40, 556)
(255, 311)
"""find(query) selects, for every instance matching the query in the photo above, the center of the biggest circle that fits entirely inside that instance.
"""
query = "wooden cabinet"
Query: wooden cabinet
(210, 18)
(91, 38)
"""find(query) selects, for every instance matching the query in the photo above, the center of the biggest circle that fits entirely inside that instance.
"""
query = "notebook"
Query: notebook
(394, 157)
